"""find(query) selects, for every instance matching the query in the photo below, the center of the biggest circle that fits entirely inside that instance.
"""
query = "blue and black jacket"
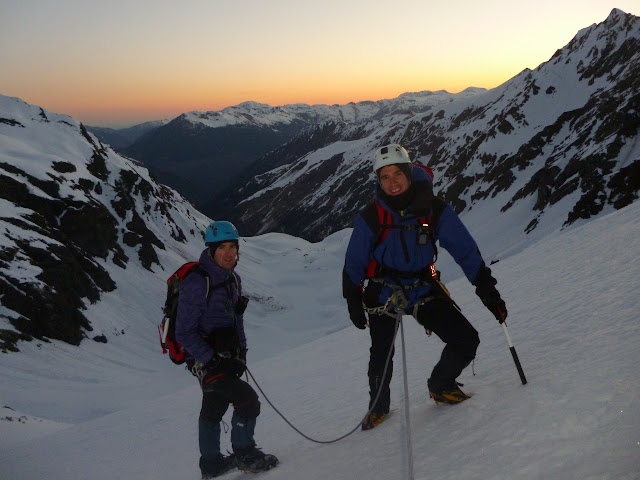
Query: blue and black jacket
(399, 254)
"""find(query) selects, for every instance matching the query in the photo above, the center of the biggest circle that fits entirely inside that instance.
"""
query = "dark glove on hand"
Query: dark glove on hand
(486, 289)
(352, 294)
(356, 314)
(234, 367)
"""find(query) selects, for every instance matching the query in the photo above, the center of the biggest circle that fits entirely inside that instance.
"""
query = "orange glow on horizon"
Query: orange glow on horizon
(114, 64)
(127, 106)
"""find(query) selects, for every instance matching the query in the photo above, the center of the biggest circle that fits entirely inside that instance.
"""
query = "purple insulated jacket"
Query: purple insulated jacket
(198, 317)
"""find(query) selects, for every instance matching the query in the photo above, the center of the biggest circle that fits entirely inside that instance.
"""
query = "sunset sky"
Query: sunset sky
(117, 63)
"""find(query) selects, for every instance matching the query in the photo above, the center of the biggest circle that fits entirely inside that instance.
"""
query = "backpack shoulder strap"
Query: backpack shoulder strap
(235, 280)
(379, 220)
(201, 271)
(437, 207)
(370, 216)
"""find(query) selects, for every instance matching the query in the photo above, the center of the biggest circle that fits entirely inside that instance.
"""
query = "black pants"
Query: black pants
(227, 390)
(230, 390)
(382, 331)
(442, 318)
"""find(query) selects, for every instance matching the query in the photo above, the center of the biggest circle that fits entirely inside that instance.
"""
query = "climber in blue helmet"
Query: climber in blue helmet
(210, 327)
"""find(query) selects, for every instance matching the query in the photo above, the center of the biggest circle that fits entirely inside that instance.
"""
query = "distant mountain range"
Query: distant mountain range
(200, 153)
(121, 138)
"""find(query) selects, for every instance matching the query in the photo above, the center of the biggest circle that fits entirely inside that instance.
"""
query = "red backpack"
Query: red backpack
(167, 328)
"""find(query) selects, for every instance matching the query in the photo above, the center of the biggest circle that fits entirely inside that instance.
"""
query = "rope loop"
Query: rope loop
(373, 404)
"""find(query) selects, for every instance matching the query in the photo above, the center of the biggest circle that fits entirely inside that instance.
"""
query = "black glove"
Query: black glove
(352, 294)
(233, 367)
(356, 314)
(486, 289)
(232, 362)
(241, 306)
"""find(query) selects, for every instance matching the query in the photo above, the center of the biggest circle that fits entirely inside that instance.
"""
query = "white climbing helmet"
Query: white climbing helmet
(390, 155)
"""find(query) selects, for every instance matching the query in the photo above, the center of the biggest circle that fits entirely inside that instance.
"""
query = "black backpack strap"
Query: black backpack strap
(437, 207)
(370, 216)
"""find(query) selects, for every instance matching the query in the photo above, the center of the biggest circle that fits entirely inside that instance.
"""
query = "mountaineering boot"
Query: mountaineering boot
(254, 460)
(373, 420)
(212, 462)
(219, 466)
(380, 409)
(449, 394)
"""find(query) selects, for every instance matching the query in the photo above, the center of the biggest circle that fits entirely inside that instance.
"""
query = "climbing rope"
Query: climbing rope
(393, 307)
(407, 410)
(384, 373)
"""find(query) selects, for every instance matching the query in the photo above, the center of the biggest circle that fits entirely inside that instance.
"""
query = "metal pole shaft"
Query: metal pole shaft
(512, 349)
(407, 412)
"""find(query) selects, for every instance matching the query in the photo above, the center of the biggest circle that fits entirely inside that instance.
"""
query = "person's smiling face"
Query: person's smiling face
(226, 255)
(393, 180)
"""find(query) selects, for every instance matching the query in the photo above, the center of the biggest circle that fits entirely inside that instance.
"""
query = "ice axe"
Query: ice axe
(512, 349)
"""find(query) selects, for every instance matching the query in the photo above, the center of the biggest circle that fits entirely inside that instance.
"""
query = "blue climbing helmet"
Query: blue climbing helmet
(221, 231)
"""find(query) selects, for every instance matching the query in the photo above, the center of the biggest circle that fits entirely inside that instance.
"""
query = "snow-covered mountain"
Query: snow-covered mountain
(72, 213)
(563, 137)
(199, 153)
(259, 114)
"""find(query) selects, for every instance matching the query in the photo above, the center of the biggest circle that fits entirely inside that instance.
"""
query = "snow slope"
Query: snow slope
(573, 303)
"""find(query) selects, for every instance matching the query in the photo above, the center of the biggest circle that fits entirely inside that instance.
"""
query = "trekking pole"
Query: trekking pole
(513, 353)
(407, 413)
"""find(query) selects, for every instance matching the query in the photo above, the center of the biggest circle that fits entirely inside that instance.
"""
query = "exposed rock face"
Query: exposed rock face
(71, 210)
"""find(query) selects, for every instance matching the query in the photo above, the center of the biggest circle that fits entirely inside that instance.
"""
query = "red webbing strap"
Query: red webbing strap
(384, 217)
(371, 268)
(434, 272)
